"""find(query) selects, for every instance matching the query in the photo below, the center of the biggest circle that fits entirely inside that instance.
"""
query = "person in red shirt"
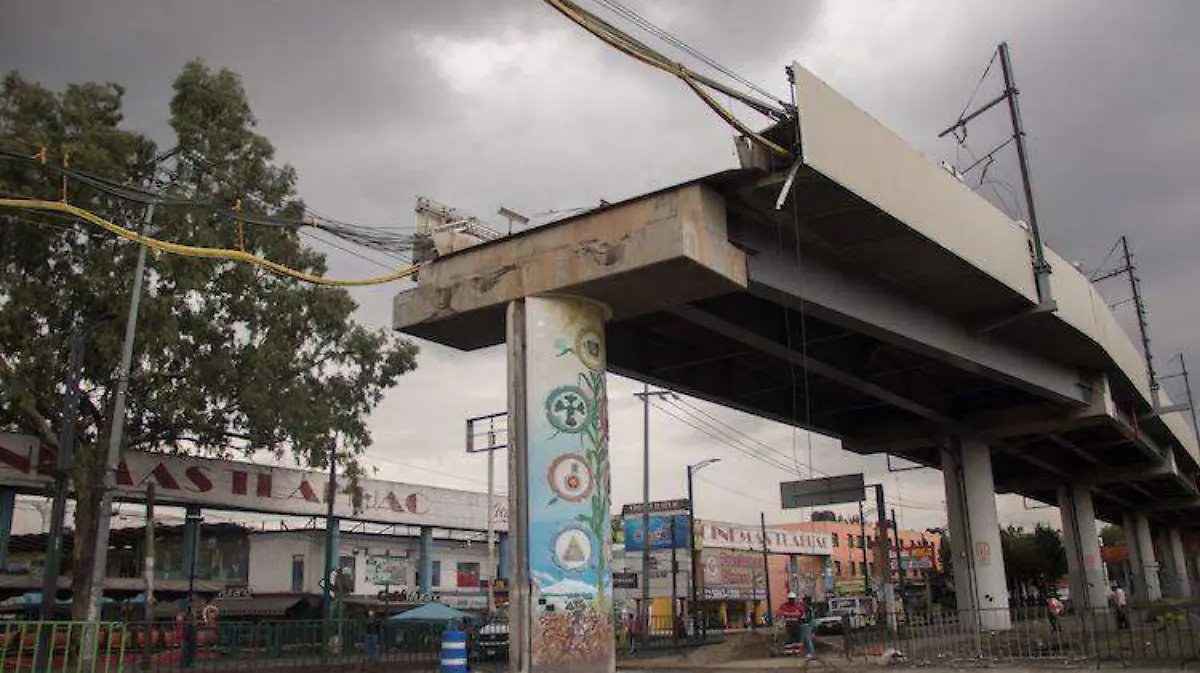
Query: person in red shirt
(794, 614)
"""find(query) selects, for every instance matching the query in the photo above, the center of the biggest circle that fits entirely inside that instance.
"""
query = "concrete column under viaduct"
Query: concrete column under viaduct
(979, 580)
(1143, 564)
(1081, 542)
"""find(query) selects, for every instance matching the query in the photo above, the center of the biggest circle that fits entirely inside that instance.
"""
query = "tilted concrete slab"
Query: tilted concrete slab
(650, 253)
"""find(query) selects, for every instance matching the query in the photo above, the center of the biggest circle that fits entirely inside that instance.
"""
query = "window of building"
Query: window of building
(837, 568)
(297, 573)
(850, 541)
(853, 567)
(862, 567)
(468, 575)
(860, 540)
(835, 540)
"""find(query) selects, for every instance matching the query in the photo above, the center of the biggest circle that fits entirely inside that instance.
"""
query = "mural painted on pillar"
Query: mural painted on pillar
(569, 545)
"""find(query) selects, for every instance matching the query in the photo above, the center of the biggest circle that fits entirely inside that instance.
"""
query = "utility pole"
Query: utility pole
(762, 518)
(491, 447)
(113, 458)
(645, 396)
(899, 557)
(862, 542)
(674, 583)
(1129, 269)
(149, 651)
(331, 525)
(695, 560)
(1041, 268)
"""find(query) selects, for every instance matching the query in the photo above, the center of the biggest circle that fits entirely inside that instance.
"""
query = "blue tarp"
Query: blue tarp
(431, 613)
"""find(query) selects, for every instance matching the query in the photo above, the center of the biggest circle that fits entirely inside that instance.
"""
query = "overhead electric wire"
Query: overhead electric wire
(631, 46)
(741, 448)
(690, 407)
(661, 33)
(717, 432)
(386, 241)
(202, 252)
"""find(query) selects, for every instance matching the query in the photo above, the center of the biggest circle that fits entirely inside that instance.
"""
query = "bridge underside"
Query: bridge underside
(816, 315)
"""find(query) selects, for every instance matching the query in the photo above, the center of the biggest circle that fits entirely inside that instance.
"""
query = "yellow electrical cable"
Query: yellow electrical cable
(200, 252)
(677, 69)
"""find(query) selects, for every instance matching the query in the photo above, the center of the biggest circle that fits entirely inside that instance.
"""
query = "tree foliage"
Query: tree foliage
(1033, 559)
(1112, 535)
(229, 360)
(825, 515)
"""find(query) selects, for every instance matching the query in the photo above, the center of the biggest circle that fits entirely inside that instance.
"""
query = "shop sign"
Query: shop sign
(666, 532)
(657, 507)
(736, 536)
(387, 570)
(726, 593)
(229, 593)
(625, 580)
(234, 485)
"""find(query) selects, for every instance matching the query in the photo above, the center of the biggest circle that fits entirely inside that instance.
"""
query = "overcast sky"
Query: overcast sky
(486, 103)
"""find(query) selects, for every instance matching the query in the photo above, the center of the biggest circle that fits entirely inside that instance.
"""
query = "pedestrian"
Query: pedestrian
(371, 638)
(792, 614)
(1054, 610)
(810, 622)
(1121, 605)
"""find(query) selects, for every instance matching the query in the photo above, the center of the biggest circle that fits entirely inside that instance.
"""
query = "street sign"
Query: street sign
(825, 491)
(657, 507)
(625, 580)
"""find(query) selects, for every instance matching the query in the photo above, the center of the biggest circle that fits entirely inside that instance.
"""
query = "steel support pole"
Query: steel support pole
(647, 540)
(491, 530)
(1041, 268)
(762, 518)
(674, 583)
(694, 592)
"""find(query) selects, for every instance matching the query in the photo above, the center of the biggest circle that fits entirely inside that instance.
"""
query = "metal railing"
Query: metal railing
(292, 645)
(1159, 633)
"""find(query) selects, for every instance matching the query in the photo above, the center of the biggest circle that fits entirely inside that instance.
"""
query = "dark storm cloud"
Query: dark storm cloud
(486, 103)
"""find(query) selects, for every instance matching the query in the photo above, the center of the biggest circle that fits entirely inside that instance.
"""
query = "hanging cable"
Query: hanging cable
(202, 252)
(631, 46)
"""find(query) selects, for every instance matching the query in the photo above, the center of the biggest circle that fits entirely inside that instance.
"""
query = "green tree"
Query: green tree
(229, 359)
(1112, 535)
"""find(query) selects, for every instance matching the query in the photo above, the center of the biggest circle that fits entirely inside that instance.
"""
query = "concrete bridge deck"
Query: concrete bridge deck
(907, 301)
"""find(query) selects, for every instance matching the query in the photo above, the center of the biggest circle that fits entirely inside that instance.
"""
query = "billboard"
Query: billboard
(233, 485)
(737, 575)
(666, 532)
(824, 491)
(719, 535)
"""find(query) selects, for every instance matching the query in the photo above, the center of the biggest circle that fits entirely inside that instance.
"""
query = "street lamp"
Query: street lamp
(692, 470)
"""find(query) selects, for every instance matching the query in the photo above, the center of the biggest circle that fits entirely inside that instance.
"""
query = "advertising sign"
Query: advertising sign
(625, 580)
(658, 507)
(387, 570)
(233, 485)
(567, 451)
(917, 558)
(824, 491)
(733, 575)
(666, 532)
(715, 534)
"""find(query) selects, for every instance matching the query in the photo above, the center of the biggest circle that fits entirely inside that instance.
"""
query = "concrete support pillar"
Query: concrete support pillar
(559, 486)
(975, 534)
(8, 504)
(502, 556)
(1143, 564)
(1081, 541)
(1177, 560)
(425, 562)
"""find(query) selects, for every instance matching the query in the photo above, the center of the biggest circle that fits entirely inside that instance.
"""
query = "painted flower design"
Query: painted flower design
(569, 409)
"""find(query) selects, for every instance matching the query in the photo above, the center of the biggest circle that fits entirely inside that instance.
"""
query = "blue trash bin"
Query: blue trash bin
(454, 652)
